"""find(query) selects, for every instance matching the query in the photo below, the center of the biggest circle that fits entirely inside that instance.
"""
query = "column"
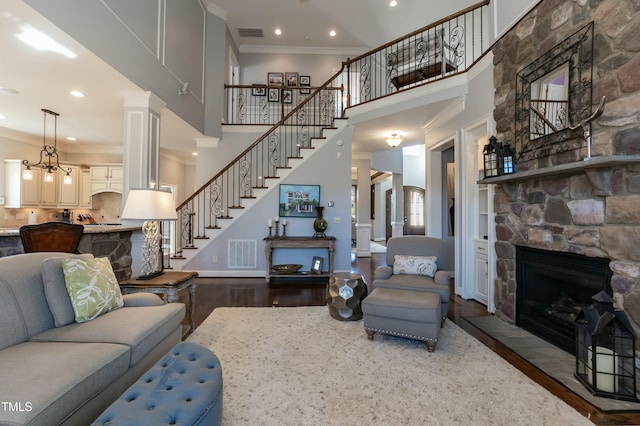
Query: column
(397, 205)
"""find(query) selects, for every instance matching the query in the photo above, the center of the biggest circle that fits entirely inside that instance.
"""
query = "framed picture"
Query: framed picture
(291, 79)
(274, 95)
(274, 78)
(259, 91)
(299, 200)
(316, 265)
(287, 96)
(305, 91)
(305, 80)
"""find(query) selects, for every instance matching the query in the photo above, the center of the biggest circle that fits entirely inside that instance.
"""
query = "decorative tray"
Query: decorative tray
(287, 268)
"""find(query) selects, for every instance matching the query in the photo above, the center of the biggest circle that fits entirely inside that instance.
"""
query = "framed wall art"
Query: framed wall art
(259, 91)
(291, 78)
(316, 265)
(274, 78)
(299, 200)
(287, 96)
(274, 95)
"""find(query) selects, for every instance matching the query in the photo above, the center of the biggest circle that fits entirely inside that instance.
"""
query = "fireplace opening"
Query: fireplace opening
(552, 288)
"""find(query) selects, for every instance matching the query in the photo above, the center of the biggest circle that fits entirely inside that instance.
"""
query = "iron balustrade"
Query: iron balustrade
(445, 48)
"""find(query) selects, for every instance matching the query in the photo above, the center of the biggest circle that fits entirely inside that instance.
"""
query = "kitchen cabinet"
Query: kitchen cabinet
(69, 194)
(106, 178)
(86, 200)
(481, 261)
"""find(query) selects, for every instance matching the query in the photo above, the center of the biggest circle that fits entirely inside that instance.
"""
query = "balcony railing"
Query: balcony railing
(300, 114)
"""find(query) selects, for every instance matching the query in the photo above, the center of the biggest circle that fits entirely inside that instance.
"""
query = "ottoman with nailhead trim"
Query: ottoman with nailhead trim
(404, 313)
(182, 388)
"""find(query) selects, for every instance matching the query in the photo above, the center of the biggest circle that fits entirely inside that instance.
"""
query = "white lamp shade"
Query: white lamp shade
(149, 204)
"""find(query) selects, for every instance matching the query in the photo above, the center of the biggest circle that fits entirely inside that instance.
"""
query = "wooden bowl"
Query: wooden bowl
(287, 268)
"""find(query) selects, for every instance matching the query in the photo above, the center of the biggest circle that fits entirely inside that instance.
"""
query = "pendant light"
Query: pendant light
(49, 160)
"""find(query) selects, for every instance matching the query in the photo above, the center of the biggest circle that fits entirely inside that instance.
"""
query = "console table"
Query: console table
(299, 243)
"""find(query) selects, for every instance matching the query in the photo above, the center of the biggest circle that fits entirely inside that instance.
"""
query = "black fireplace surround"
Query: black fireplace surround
(552, 287)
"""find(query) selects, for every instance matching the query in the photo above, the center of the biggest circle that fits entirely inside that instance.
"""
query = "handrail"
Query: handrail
(439, 50)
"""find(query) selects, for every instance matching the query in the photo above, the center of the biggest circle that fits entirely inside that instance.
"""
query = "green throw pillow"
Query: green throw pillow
(92, 287)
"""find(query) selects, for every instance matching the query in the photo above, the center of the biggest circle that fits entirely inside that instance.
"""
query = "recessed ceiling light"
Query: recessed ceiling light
(40, 41)
(393, 3)
(8, 91)
(332, 33)
(3, 117)
(77, 94)
(71, 138)
(195, 154)
(278, 31)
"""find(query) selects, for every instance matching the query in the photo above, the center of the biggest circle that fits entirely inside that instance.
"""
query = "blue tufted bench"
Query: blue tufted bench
(182, 388)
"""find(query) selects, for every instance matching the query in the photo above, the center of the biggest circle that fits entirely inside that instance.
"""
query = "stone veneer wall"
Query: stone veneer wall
(595, 212)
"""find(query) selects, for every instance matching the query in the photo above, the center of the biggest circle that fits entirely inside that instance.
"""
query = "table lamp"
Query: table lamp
(150, 205)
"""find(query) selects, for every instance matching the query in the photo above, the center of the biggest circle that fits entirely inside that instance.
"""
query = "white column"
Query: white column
(397, 205)
(141, 147)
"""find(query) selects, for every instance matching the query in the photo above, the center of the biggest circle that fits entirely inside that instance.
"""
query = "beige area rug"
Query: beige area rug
(299, 366)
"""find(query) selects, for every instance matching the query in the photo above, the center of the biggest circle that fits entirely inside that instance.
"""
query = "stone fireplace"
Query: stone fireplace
(553, 287)
(563, 203)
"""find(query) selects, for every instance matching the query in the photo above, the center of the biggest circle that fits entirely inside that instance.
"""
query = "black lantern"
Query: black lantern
(491, 154)
(507, 160)
(605, 350)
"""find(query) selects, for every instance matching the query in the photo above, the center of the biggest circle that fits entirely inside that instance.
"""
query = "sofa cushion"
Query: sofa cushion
(415, 265)
(55, 290)
(92, 287)
(140, 328)
(57, 378)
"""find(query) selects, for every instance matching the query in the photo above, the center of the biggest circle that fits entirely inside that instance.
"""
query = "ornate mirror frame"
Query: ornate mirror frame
(575, 52)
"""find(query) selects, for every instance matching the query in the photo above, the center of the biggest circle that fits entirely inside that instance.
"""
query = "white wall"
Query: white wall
(255, 66)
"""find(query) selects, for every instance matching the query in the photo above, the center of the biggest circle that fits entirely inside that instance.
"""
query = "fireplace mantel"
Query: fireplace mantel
(563, 169)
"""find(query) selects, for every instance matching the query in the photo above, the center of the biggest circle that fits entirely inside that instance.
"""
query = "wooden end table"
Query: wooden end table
(167, 285)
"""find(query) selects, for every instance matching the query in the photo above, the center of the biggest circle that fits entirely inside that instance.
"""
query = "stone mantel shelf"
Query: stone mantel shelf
(563, 169)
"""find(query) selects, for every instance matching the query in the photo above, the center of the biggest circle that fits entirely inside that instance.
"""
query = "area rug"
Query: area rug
(299, 366)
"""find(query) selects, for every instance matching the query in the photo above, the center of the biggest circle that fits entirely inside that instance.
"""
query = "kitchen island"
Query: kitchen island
(112, 241)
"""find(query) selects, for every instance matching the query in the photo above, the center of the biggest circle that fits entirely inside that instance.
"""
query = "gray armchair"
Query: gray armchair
(416, 245)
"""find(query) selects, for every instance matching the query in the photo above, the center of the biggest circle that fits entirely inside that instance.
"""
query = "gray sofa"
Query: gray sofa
(56, 371)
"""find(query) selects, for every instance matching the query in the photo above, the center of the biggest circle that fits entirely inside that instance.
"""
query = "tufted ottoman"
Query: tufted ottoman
(404, 313)
(182, 388)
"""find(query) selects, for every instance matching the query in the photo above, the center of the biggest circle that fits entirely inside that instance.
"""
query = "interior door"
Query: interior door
(414, 211)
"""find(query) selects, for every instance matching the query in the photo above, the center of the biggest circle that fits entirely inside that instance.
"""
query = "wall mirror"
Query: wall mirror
(553, 92)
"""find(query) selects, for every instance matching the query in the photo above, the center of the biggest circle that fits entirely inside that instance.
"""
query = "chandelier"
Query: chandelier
(394, 140)
(49, 160)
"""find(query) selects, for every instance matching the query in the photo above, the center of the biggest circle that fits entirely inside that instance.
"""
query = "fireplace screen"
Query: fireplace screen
(552, 288)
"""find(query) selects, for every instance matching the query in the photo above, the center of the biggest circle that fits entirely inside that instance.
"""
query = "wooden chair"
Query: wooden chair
(51, 236)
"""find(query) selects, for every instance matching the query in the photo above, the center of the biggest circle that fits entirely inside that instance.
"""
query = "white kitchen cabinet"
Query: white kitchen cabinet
(86, 200)
(107, 178)
(69, 194)
(481, 273)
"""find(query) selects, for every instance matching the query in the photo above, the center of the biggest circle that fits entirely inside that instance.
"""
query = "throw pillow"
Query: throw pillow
(55, 289)
(92, 287)
(415, 265)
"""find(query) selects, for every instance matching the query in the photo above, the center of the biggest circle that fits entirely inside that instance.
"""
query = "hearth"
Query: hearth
(552, 288)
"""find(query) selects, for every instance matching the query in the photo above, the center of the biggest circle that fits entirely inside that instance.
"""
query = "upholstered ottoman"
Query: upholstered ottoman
(404, 313)
(182, 388)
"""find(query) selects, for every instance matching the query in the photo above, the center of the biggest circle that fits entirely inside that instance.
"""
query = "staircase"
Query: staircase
(315, 115)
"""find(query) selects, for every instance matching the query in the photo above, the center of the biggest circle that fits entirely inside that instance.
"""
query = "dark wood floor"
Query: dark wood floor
(212, 293)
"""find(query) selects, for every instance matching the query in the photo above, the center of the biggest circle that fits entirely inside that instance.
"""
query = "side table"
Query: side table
(344, 295)
(167, 285)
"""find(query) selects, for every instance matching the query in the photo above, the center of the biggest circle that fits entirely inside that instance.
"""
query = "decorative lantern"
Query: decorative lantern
(507, 160)
(490, 152)
(605, 350)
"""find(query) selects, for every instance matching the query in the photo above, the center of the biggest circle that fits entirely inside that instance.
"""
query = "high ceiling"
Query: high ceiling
(44, 79)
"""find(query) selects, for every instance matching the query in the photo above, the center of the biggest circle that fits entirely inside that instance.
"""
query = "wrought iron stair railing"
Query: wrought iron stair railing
(445, 48)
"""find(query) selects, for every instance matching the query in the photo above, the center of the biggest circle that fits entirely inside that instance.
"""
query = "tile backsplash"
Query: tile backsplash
(107, 207)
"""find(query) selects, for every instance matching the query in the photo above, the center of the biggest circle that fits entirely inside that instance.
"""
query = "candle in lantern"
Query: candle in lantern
(605, 369)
